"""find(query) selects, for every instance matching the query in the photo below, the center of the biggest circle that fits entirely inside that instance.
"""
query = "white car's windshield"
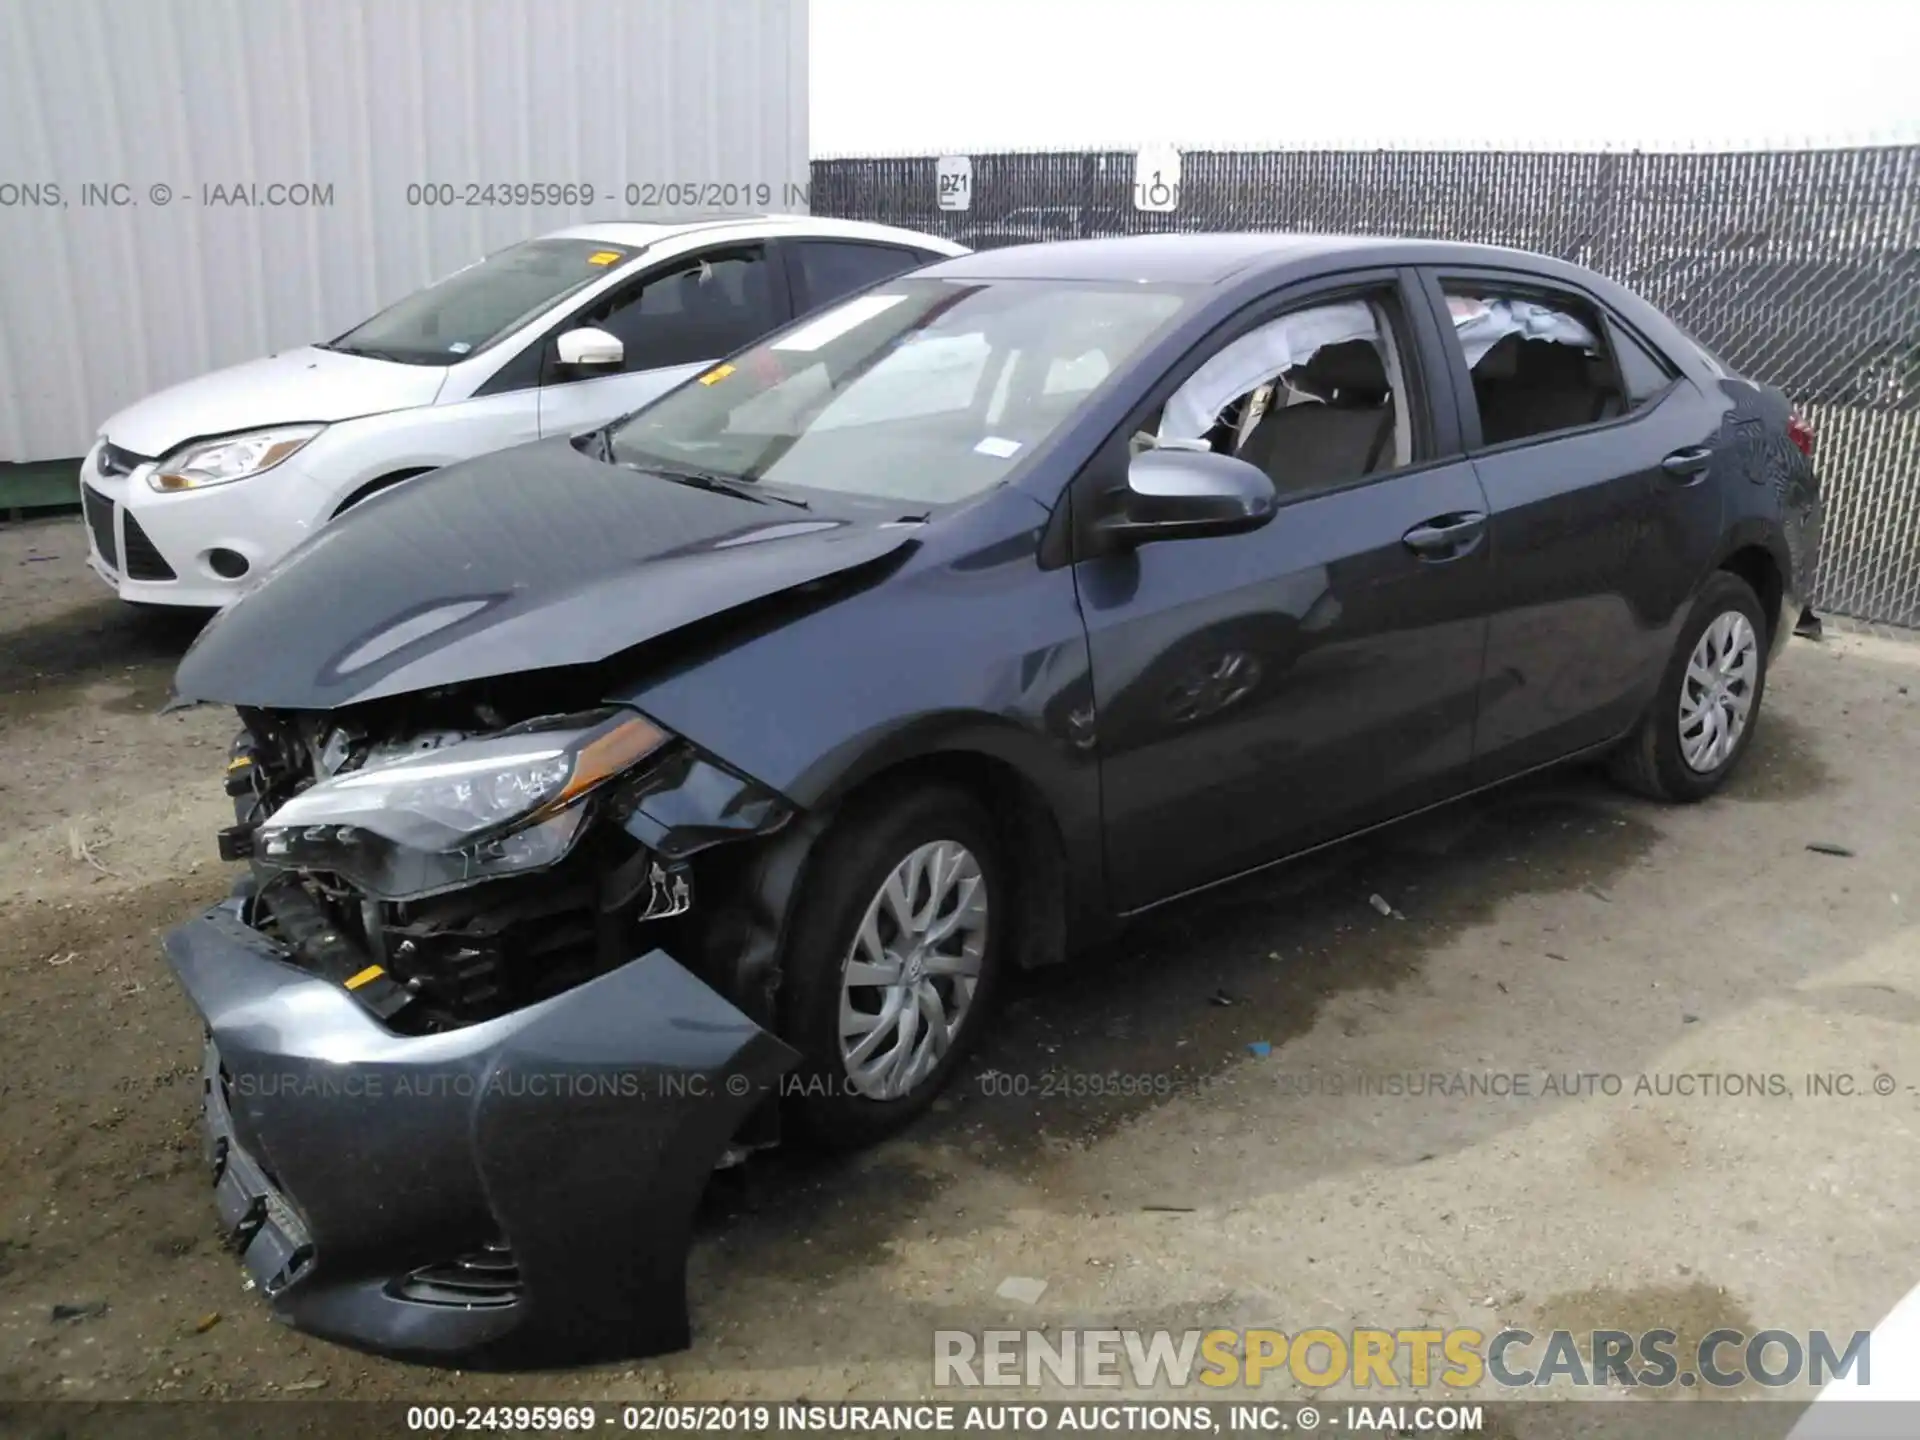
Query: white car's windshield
(922, 390)
(470, 309)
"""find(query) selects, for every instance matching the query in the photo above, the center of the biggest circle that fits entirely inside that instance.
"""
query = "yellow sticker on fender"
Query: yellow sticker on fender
(714, 377)
(365, 977)
(603, 257)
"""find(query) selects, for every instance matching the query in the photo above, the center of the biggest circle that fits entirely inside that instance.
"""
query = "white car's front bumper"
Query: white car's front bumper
(165, 549)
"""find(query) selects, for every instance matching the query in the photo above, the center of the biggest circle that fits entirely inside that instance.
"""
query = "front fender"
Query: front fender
(969, 647)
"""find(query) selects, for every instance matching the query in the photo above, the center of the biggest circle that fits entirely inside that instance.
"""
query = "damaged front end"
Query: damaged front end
(483, 1016)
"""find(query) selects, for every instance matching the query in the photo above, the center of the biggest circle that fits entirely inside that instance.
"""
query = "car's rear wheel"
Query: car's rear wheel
(1702, 720)
(892, 961)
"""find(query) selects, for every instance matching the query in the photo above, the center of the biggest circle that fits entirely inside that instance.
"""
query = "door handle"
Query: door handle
(1446, 537)
(1688, 463)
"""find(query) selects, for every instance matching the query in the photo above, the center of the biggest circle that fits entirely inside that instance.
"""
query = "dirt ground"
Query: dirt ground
(1556, 929)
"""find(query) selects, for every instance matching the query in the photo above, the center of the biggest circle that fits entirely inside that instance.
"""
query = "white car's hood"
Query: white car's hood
(295, 385)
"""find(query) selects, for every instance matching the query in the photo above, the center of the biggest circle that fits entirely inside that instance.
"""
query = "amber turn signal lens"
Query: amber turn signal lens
(622, 745)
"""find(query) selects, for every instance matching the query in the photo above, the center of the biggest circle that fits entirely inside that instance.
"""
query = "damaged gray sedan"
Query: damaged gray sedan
(616, 806)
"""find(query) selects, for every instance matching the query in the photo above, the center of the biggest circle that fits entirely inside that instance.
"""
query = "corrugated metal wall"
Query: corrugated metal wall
(108, 294)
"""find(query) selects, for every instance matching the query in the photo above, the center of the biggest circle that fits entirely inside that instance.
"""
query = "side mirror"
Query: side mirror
(590, 351)
(1186, 494)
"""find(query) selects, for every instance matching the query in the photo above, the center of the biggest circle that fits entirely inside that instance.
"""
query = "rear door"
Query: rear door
(1598, 458)
(1259, 693)
(672, 320)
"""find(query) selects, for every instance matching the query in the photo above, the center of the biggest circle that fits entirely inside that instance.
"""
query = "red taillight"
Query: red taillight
(1801, 434)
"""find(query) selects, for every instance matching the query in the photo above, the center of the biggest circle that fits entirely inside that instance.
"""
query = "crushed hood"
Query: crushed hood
(527, 559)
(295, 386)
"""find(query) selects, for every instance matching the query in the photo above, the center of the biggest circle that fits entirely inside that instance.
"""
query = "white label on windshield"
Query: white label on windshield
(953, 176)
(1156, 179)
(835, 323)
(998, 448)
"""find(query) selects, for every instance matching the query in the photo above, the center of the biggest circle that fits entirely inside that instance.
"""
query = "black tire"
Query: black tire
(1650, 761)
(855, 859)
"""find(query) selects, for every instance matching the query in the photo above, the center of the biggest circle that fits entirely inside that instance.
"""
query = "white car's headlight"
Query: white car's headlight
(470, 811)
(232, 457)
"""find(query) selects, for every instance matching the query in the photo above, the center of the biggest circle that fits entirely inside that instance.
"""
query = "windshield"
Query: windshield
(470, 309)
(923, 390)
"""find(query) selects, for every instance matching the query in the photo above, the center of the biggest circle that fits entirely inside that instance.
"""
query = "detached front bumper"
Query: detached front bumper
(520, 1191)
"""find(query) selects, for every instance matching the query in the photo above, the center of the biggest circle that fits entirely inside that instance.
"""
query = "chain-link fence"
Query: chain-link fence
(1797, 267)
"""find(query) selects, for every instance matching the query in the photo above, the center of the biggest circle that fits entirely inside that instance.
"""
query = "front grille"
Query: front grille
(486, 1279)
(112, 460)
(99, 511)
(144, 562)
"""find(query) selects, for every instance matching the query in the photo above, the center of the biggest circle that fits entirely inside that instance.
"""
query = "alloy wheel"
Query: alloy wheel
(912, 970)
(1716, 696)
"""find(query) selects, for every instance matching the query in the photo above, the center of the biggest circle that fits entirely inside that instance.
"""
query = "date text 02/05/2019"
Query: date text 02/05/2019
(639, 194)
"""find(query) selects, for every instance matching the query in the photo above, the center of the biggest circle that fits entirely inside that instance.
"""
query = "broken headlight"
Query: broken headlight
(476, 810)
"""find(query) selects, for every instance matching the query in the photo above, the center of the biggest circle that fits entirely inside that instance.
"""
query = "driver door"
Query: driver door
(672, 322)
(1260, 693)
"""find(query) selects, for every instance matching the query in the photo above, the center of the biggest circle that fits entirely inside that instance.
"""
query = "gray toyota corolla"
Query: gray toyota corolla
(615, 806)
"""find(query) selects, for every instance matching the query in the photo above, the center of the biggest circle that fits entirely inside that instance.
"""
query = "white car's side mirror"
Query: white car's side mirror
(590, 351)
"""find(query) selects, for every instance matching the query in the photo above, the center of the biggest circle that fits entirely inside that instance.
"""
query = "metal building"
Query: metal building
(185, 184)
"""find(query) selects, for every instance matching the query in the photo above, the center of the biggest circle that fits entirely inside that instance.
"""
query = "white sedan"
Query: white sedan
(191, 493)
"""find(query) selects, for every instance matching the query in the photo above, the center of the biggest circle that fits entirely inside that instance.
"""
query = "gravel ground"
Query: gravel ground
(1557, 928)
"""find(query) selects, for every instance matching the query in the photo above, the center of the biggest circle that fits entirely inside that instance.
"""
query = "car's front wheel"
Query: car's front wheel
(891, 961)
(1702, 719)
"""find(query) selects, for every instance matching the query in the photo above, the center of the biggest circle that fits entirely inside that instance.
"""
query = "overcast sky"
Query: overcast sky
(923, 76)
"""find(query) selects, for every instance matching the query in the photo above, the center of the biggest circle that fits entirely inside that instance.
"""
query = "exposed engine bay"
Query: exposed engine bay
(500, 978)
(452, 856)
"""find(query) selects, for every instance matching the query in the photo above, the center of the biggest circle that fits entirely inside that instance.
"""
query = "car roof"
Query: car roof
(645, 234)
(1212, 259)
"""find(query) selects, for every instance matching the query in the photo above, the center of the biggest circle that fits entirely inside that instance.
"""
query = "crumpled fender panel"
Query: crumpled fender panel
(580, 1130)
(687, 803)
